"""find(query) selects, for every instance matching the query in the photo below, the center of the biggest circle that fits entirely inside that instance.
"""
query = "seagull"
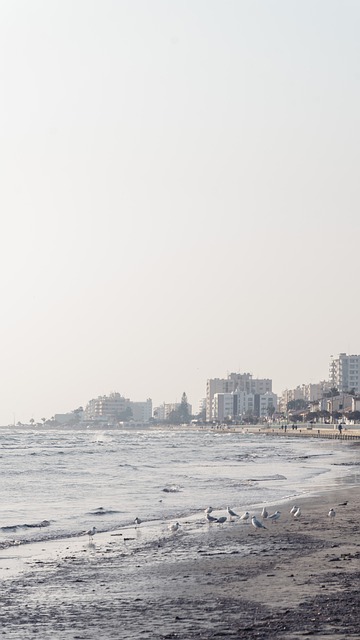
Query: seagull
(293, 509)
(275, 516)
(174, 527)
(137, 522)
(297, 513)
(332, 514)
(245, 516)
(210, 518)
(90, 533)
(222, 519)
(232, 514)
(264, 513)
(208, 510)
(256, 523)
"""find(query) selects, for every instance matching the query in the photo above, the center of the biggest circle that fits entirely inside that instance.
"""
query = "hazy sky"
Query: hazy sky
(179, 196)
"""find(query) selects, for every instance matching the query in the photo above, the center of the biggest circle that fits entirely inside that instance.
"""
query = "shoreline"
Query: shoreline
(294, 579)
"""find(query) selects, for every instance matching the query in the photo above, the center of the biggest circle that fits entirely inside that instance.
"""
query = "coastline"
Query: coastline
(292, 580)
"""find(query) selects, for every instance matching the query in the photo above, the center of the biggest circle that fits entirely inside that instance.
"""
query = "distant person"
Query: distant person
(340, 428)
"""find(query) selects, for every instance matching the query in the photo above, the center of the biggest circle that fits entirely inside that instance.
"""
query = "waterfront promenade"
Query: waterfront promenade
(331, 432)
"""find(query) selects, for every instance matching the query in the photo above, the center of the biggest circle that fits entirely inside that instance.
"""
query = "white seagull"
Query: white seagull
(245, 516)
(275, 516)
(293, 509)
(297, 513)
(264, 513)
(232, 514)
(90, 533)
(174, 527)
(208, 510)
(256, 523)
(137, 522)
(332, 514)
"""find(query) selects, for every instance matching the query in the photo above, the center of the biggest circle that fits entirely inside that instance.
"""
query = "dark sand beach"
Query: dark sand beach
(296, 579)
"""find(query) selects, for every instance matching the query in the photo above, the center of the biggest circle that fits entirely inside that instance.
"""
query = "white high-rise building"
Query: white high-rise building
(239, 404)
(344, 373)
(235, 383)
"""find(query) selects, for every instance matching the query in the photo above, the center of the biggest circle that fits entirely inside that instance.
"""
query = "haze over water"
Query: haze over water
(180, 196)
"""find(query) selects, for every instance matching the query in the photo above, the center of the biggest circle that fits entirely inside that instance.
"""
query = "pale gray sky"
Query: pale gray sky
(179, 196)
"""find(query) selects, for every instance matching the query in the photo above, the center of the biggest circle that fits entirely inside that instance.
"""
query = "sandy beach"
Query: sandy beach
(296, 579)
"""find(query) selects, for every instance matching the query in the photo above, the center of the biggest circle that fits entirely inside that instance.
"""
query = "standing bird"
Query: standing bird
(245, 516)
(256, 523)
(232, 514)
(210, 518)
(174, 527)
(208, 510)
(297, 513)
(264, 513)
(332, 514)
(137, 522)
(275, 516)
(90, 533)
(293, 509)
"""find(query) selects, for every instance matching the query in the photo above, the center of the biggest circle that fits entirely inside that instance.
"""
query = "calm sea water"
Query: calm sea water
(59, 483)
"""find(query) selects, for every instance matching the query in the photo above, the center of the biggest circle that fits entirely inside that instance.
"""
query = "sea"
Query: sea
(57, 483)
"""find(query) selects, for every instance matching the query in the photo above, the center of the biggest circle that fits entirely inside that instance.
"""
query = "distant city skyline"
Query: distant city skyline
(332, 377)
(179, 196)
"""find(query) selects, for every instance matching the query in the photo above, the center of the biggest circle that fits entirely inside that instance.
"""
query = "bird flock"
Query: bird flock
(231, 516)
(257, 523)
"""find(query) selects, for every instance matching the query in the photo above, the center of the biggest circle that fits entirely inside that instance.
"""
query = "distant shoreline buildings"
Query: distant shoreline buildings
(237, 398)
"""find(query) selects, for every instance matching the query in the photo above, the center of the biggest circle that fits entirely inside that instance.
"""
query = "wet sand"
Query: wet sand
(296, 579)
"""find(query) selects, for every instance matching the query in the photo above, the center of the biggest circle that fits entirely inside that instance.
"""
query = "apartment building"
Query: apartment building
(307, 392)
(235, 383)
(232, 405)
(344, 373)
(115, 407)
(239, 404)
(106, 408)
(141, 411)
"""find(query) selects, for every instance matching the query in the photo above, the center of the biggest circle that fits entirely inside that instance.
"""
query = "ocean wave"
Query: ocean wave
(277, 476)
(101, 511)
(35, 525)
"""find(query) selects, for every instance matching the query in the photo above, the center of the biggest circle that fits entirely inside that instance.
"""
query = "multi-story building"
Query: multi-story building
(234, 383)
(344, 373)
(239, 404)
(106, 408)
(116, 408)
(267, 404)
(232, 405)
(141, 411)
(307, 392)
